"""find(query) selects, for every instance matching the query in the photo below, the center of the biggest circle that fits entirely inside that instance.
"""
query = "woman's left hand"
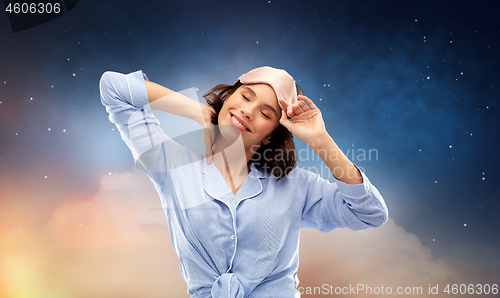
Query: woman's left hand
(305, 122)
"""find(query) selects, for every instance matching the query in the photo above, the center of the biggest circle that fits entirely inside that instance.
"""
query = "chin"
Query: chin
(229, 132)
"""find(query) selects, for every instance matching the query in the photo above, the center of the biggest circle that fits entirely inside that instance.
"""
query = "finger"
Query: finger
(283, 103)
(289, 111)
(308, 102)
(284, 121)
(207, 138)
(297, 110)
(208, 151)
(212, 136)
(285, 106)
(303, 106)
(210, 158)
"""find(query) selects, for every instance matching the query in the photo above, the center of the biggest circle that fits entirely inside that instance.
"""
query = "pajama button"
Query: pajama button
(231, 237)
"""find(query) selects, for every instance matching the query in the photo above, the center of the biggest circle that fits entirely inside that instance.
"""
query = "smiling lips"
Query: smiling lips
(239, 123)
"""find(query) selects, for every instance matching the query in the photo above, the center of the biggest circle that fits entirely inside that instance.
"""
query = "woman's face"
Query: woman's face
(254, 111)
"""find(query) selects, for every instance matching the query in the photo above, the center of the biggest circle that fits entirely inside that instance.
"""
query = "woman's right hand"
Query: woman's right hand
(208, 130)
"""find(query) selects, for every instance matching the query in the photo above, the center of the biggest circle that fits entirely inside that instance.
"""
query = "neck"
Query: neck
(231, 158)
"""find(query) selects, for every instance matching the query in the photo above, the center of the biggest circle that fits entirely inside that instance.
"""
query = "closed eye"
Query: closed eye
(264, 114)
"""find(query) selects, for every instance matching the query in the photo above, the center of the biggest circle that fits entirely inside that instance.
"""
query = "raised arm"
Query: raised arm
(353, 202)
(125, 95)
(166, 100)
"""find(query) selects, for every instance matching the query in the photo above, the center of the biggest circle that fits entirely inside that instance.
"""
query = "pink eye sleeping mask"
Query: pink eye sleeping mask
(282, 83)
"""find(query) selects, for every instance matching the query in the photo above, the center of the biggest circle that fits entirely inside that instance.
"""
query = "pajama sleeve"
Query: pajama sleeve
(126, 100)
(340, 205)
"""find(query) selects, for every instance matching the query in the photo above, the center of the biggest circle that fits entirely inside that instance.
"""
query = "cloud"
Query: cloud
(116, 244)
(387, 256)
(125, 211)
(112, 244)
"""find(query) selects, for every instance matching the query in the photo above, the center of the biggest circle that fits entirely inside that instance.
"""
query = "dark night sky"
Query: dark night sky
(416, 80)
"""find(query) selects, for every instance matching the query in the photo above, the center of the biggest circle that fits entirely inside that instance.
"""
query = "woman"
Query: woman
(235, 213)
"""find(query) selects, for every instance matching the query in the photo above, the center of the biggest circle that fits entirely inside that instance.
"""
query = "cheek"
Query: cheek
(219, 117)
(222, 113)
(267, 127)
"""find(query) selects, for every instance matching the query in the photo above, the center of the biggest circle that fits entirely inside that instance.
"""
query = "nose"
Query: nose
(248, 111)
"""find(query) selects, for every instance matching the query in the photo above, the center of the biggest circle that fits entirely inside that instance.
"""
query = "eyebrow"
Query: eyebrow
(253, 94)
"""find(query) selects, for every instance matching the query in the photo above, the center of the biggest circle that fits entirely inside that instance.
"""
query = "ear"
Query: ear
(267, 140)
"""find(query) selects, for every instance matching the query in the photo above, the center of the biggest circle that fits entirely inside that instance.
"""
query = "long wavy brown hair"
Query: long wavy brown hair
(279, 156)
